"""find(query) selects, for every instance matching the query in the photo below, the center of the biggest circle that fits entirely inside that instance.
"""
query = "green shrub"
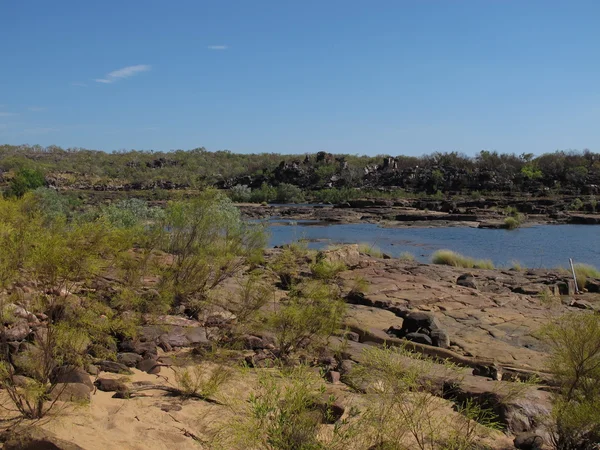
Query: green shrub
(511, 223)
(371, 250)
(312, 313)
(574, 340)
(131, 212)
(406, 256)
(265, 194)
(288, 193)
(450, 258)
(583, 272)
(240, 193)
(576, 205)
(25, 180)
(325, 270)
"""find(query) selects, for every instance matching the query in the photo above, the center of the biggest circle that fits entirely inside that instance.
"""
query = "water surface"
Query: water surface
(538, 246)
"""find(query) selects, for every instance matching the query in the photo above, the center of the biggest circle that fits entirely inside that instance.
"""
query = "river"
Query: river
(542, 246)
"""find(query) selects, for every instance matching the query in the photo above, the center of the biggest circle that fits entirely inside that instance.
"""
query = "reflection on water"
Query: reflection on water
(539, 246)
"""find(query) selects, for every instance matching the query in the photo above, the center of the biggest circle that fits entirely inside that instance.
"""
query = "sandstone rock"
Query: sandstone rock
(71, 392)
(71, 374)
(252, 342)
(421, 338)
(261, 359)
(352, 336)
(440, 338)
(129, 359)
(348, 255)
(114, 367)
(333, 377)
(149, 366)
(18, 331)
(581, 304)
(419, 322)
(346, 366)
(110, 385)
(145, 348)
(529, 441)
(467, 280)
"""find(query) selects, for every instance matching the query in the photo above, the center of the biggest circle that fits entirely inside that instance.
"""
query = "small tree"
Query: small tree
(208, 241)
(575, 362)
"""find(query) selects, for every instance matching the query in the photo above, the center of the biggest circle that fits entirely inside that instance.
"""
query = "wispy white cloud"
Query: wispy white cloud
(78, 84)
(217, 47)
(37, 108)
(125, 72)
(7, 114)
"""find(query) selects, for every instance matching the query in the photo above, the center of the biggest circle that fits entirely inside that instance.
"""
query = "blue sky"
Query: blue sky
(368, 77)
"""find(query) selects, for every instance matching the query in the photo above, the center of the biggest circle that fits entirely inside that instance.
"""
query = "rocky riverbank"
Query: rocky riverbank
(483, 321)
(398, 213)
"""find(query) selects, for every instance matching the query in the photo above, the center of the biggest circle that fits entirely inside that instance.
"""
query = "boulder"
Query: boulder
(71, 392)
(129, 359)
(18, 331)
(420, 338)
(114, 367)
(419, 322)
(110, 385)
(142, 348)
(333, 377)
(347, 254)
(529, 441)
(71, 374)
(440, 338)
(466, 280)
(149, 366)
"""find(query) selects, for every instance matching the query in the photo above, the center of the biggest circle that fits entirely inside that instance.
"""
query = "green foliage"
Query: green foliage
(195, 380)
(265, 194)
(240, 193)
(401, 413)
(326, 270)
(286, 411)
(288, 193)
(450, 258)
(371, 250)
(531, 172)
(576, 205)
(406, 256)
(511, 223)
(311, 314)
(209, 242)
(130, 213)
(25, 180)
(575, 363)
(583, 272)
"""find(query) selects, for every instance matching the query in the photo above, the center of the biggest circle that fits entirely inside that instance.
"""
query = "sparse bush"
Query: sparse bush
(264, 194)
(371, 250)
(583, 272)
(312, 313)
(209, 242)
(450, 258)
(575, 363)
(240, 193)
(401, 412)
(326, 270)
(406, 256)
(195, 380)
(289, 193)
(287, 411)
(25, 180)
(511, 223)
(576, 205)
(131, 212)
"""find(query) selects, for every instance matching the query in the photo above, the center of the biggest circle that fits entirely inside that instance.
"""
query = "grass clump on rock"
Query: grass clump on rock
(450, 258)
(371, 250)
(585, 271)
